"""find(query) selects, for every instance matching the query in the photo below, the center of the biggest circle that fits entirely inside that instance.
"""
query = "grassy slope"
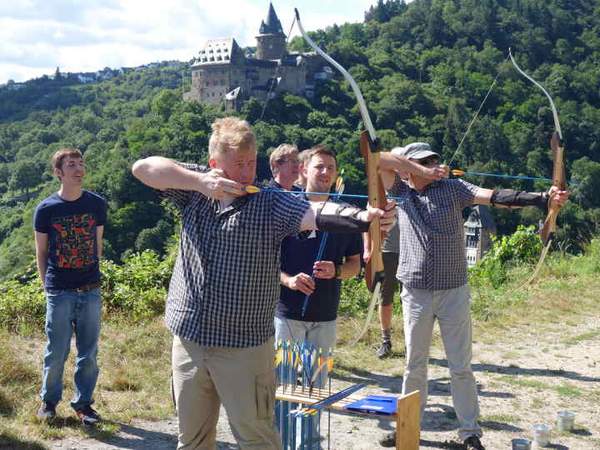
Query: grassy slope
(134, 358)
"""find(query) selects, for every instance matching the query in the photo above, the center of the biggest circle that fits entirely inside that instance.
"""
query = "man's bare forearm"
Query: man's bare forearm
(42, 266)
(390, 162)
(163, 173)
(41, 254)
(283, 278)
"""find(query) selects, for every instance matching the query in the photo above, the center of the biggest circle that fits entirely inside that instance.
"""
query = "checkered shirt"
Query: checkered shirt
(225, 283)
(432, 249)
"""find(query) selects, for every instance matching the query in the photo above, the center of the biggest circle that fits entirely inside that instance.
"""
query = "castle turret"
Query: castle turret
(270, 43)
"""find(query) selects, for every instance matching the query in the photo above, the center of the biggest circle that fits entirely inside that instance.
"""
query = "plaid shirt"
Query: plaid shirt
(225, 283)
(432, 250)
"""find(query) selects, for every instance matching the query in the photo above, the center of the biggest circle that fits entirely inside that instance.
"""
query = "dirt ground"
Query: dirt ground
(524, 377)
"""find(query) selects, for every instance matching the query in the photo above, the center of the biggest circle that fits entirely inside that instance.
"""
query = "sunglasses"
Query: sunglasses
(429, 161)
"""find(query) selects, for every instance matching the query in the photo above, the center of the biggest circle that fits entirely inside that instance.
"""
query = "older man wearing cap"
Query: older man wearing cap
(433, 270)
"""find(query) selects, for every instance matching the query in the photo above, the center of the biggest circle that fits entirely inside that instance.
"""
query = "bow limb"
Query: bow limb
(369, 149)
(558, 157)
(549, 227)
(558, 172)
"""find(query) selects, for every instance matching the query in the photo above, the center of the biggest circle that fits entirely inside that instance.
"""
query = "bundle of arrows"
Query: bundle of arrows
(303, 369)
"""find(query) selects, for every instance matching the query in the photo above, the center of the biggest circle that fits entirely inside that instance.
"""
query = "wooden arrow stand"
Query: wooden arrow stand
(407, 416)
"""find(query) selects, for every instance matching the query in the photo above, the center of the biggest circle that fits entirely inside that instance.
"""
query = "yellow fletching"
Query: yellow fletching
(329, 364)
(338, 184)
(457, 172)
(278, 357)
(250, 189)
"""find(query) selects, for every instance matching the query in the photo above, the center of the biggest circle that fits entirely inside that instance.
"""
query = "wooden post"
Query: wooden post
(408, 422)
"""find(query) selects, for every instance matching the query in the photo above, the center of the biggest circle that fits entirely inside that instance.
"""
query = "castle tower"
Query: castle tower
(270, 43)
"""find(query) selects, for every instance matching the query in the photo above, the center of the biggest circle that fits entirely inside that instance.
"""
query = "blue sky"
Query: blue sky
(36, 36)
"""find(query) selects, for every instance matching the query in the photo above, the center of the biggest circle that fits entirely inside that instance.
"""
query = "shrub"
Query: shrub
(22, 306)
(354, 297)
(138, 287)
(521, 247)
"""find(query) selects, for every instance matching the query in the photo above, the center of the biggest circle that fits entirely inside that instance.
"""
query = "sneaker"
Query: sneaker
(473, 443)
(384, 350)
(87, 415)
(389, 440)
(47, 411)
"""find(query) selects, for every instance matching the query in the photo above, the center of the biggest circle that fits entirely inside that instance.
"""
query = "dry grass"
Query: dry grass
(555, 298)
(134, 378)
(135, 360)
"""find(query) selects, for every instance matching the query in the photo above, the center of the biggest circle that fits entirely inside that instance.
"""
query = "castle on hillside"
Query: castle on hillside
(223, 72)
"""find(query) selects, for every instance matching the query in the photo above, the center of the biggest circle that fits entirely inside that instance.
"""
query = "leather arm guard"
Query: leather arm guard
(512, 198)
(340, 218)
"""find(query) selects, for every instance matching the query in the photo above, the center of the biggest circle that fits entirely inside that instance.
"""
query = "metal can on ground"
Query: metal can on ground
(565, 420)
(541, 434)
(521, 444)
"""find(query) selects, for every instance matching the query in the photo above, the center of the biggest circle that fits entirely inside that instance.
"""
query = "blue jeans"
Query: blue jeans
(69, 311)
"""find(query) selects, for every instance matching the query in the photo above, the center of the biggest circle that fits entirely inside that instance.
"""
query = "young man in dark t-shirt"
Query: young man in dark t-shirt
(302, 274)
(68, 237)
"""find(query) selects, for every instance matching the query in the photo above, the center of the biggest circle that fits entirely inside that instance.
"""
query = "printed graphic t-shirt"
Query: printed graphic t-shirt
(72, 244)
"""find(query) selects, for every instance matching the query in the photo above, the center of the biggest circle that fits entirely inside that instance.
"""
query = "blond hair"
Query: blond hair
(61, 154)
(281, 153)
(230, 133)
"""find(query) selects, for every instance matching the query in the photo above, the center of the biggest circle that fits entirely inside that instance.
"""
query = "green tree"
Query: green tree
(25, 175)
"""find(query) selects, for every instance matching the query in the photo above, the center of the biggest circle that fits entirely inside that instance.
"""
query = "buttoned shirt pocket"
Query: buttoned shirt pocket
(254, 233)
(445, 218)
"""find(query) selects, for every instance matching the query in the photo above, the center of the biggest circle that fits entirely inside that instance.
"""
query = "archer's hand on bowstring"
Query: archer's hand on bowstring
(215, 184)
(436, 172)
(558, 197)
(387, 216)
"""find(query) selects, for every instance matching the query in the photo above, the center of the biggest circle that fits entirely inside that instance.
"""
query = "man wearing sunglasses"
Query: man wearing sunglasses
(433, 270)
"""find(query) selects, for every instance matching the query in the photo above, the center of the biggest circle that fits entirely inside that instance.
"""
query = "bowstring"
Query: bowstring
(476, 115)
(277, 68)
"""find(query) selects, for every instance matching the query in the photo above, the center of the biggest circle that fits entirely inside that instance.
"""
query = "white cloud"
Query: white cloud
(87, 35)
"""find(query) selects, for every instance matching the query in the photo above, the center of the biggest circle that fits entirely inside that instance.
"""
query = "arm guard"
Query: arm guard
(512, 198)
(339, 218)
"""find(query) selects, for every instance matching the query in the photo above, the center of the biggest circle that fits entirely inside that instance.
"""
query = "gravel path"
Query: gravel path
(525, 378)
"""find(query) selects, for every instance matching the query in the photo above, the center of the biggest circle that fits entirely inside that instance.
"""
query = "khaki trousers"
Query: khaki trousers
(242, 379)
(451, 308)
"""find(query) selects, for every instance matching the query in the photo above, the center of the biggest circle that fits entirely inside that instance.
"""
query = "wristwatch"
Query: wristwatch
(338, 271)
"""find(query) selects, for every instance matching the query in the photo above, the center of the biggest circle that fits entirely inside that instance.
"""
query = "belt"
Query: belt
(87, 287)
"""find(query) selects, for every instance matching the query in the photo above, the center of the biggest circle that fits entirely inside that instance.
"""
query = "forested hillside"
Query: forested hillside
(424, 69)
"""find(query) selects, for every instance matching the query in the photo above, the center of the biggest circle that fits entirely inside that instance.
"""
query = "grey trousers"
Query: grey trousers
(452, 310)
(243, 379)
